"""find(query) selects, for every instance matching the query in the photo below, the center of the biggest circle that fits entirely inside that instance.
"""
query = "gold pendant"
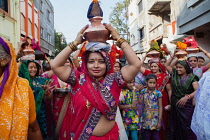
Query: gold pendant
(87, 104)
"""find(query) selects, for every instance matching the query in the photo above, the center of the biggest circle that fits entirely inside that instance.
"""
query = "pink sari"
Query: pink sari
(90, 99)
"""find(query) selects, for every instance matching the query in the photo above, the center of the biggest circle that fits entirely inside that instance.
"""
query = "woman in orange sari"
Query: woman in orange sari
(17, 107)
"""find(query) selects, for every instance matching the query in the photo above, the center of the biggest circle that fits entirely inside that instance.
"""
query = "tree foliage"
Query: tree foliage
(119, 18)
(60, 42)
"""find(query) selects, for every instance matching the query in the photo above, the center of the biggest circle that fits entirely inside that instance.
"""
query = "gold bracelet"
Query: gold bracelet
(72, 46)
(124, 47)
(120, 41)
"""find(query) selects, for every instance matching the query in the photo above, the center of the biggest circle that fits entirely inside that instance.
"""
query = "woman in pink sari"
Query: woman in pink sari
(93, 103)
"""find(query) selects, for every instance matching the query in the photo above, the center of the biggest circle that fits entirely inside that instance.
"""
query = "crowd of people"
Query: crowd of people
(67, 100)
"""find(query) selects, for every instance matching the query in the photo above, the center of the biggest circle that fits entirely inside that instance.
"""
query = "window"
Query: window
(133, 40)
(141, 33)
(36, 32)
(48, 38)
(29, 27)
(48, 15)
(140, 6)
(42, 6)
(41, 31)
(4, 5)
(22, 22)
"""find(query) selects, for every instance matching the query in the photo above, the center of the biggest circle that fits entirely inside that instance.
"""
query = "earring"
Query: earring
(2, 64)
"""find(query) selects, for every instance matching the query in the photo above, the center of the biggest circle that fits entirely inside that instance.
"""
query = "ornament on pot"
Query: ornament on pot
(164, 48)
(26, 51)
(155, 51)
(180, 52)
(96, 32)
(192, 45)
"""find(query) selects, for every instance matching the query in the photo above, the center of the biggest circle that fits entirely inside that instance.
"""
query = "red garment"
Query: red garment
(111, 135)
(89, 100)
(162, 81)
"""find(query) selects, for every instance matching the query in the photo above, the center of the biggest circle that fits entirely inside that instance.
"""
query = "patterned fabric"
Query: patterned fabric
(201, 117)
(90, 99)
(17, 105)
(162, 80)
(150, 114)
(36, 85)
(199, 71)
(181, 117)
(130, 116)
(140, 79)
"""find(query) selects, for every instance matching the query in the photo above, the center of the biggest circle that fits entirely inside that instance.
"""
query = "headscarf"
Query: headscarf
(95, 47)
(4, 49)
(162, 68)
(186, 65)
(37, 89)
(23, 70)
(14, 102)
(179, 90)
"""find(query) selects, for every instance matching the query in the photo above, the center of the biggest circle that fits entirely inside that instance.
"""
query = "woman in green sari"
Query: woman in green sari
(41, 88)
(184, 86)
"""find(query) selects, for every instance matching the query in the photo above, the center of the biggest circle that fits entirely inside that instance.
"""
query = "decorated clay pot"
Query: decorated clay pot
(153, 54)
(28, 51)
(96, 32)
(190, 50)
(181, 54)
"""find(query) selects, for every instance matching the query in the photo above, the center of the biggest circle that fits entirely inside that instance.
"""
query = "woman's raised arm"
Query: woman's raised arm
(129, 71)
(57, 64)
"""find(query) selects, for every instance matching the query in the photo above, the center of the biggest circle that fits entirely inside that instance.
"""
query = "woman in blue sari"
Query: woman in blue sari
(184, 86)
(40, 86)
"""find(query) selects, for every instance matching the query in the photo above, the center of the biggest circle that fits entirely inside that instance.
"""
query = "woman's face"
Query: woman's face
(163, 61)
(116, 67)
(96, 65)
(4, 61)
(68, 63)
(154, 68)
(180, 69)
(32, 68)
(193, 62)
(200, 62)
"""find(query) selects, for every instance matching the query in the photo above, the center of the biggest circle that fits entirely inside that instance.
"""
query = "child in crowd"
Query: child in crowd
(201, 61)
(152, 112)
(129, 110)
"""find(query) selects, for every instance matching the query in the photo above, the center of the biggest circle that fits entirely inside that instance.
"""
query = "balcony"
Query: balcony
(159, 6)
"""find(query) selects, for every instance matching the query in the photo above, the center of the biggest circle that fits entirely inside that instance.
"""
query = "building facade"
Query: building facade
(192, 18)
(29, 20)
(150, 22)
(10, 21)
(46, 26)
(169, 21)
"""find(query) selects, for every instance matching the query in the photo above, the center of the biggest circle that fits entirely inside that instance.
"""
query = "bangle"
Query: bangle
(124, 47)
(72, 46)
(120, 41)
(189, 96)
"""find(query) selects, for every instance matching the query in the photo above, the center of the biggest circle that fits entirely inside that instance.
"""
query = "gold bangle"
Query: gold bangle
(120, 41)
(124, 47)
(72, 46)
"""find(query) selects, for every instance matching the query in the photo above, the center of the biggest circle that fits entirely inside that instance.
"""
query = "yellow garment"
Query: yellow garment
(17, 107)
